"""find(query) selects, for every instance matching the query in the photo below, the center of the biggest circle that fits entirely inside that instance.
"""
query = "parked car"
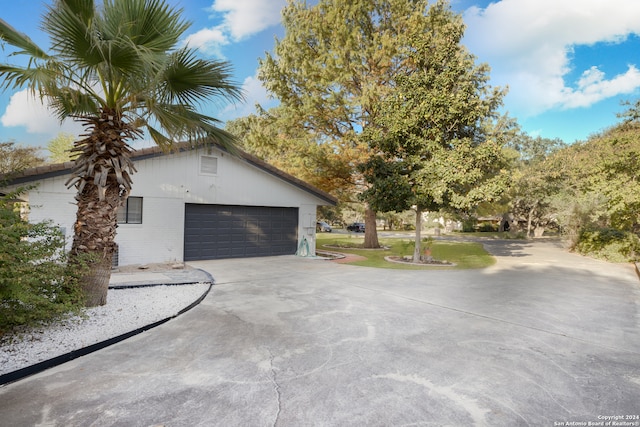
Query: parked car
(357, 227)
(323, 226)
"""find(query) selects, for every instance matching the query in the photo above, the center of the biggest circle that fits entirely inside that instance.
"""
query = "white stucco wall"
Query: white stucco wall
(51, 200)
(166, 184)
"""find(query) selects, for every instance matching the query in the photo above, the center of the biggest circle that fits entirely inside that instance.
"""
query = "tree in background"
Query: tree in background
(118, 70)
(15, 158)
(590, 189)
(536, 182)
(60, 148)
(433, 147)
(337, 61)
(600, 181)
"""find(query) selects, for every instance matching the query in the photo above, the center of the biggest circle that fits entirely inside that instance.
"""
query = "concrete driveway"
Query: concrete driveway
(543, 338)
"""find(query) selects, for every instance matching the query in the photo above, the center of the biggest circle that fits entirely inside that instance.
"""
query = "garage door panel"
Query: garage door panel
(223, 231)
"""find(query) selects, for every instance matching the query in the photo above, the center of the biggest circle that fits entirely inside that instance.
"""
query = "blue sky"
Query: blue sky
(568, 63)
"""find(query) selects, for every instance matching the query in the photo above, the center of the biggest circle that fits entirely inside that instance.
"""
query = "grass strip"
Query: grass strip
(465, 255)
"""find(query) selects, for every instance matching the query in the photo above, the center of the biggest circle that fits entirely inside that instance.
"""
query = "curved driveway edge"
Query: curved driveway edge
(542, 337)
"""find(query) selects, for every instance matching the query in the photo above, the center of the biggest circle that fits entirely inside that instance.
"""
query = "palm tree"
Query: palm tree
(119, 70)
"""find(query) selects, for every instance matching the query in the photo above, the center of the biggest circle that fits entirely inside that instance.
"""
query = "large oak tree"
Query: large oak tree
(337, 60)
(437, 145)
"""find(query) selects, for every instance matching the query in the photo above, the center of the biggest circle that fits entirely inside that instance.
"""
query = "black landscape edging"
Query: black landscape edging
(74, 354)
(152, 285)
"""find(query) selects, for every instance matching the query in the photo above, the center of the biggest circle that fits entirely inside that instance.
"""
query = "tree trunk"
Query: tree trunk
(529, 221)
(418, 246)
(94, 235)
(102, 176)
(370, 231)
(95, 283)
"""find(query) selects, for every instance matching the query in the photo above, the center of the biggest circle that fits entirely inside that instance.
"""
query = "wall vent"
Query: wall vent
(208, 165)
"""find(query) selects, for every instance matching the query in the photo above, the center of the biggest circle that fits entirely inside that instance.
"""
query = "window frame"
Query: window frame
(129, 216)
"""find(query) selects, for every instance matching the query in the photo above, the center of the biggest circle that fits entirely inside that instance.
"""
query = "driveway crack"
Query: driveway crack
(276, 387)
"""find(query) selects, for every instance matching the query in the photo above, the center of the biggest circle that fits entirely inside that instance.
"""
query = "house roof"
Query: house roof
(57, 169)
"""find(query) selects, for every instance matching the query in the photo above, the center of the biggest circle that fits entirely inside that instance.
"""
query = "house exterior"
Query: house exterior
(193, 204)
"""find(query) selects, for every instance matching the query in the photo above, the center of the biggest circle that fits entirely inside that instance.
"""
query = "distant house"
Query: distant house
(193, 204)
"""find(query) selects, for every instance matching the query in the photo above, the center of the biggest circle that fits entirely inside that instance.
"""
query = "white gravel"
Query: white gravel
(126, 310)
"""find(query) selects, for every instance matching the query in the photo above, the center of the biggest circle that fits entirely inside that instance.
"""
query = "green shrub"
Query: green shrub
(468, 225)
(487, 227)
(35, 283)
(609, 244)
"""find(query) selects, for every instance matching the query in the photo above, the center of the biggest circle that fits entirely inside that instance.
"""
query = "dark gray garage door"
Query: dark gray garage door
(223, 231)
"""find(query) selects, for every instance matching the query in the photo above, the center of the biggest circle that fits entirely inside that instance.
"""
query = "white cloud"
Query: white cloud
(243, 18)
(208, 40)
(240, 20)
(593, 87)
(26, 110)
(529, 44)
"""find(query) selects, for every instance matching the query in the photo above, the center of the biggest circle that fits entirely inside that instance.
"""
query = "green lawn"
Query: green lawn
(464, 254)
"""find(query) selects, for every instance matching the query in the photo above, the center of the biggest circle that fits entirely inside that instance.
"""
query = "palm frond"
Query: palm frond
(17, 77)
(183, 124)
(69, 102)
(149, 24)
(84, 38)
(21, 41)
(122, 58)
(188, 79)
(72, 32)
(163, 141)
(85, 9)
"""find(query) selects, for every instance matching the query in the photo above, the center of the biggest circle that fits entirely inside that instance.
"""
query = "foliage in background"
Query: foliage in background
(14, 158)
(35, 283)
(600, 186)
(536, 182)
(608, 244)
(585, 189)
(60, 148)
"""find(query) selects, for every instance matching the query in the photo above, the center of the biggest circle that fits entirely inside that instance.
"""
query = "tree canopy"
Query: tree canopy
(536, 184)
(15, 157)
(588, 190)
(333, 67)
(60, 148)
(434, 148)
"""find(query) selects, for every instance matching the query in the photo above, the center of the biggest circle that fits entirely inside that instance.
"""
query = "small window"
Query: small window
(208, 165)
(131, 212)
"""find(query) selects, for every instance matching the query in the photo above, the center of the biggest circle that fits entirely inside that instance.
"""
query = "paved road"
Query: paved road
(543, 337)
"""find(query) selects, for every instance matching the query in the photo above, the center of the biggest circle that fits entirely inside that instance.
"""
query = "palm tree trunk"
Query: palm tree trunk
(95, 282)
(94, 235)
(102, 176)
